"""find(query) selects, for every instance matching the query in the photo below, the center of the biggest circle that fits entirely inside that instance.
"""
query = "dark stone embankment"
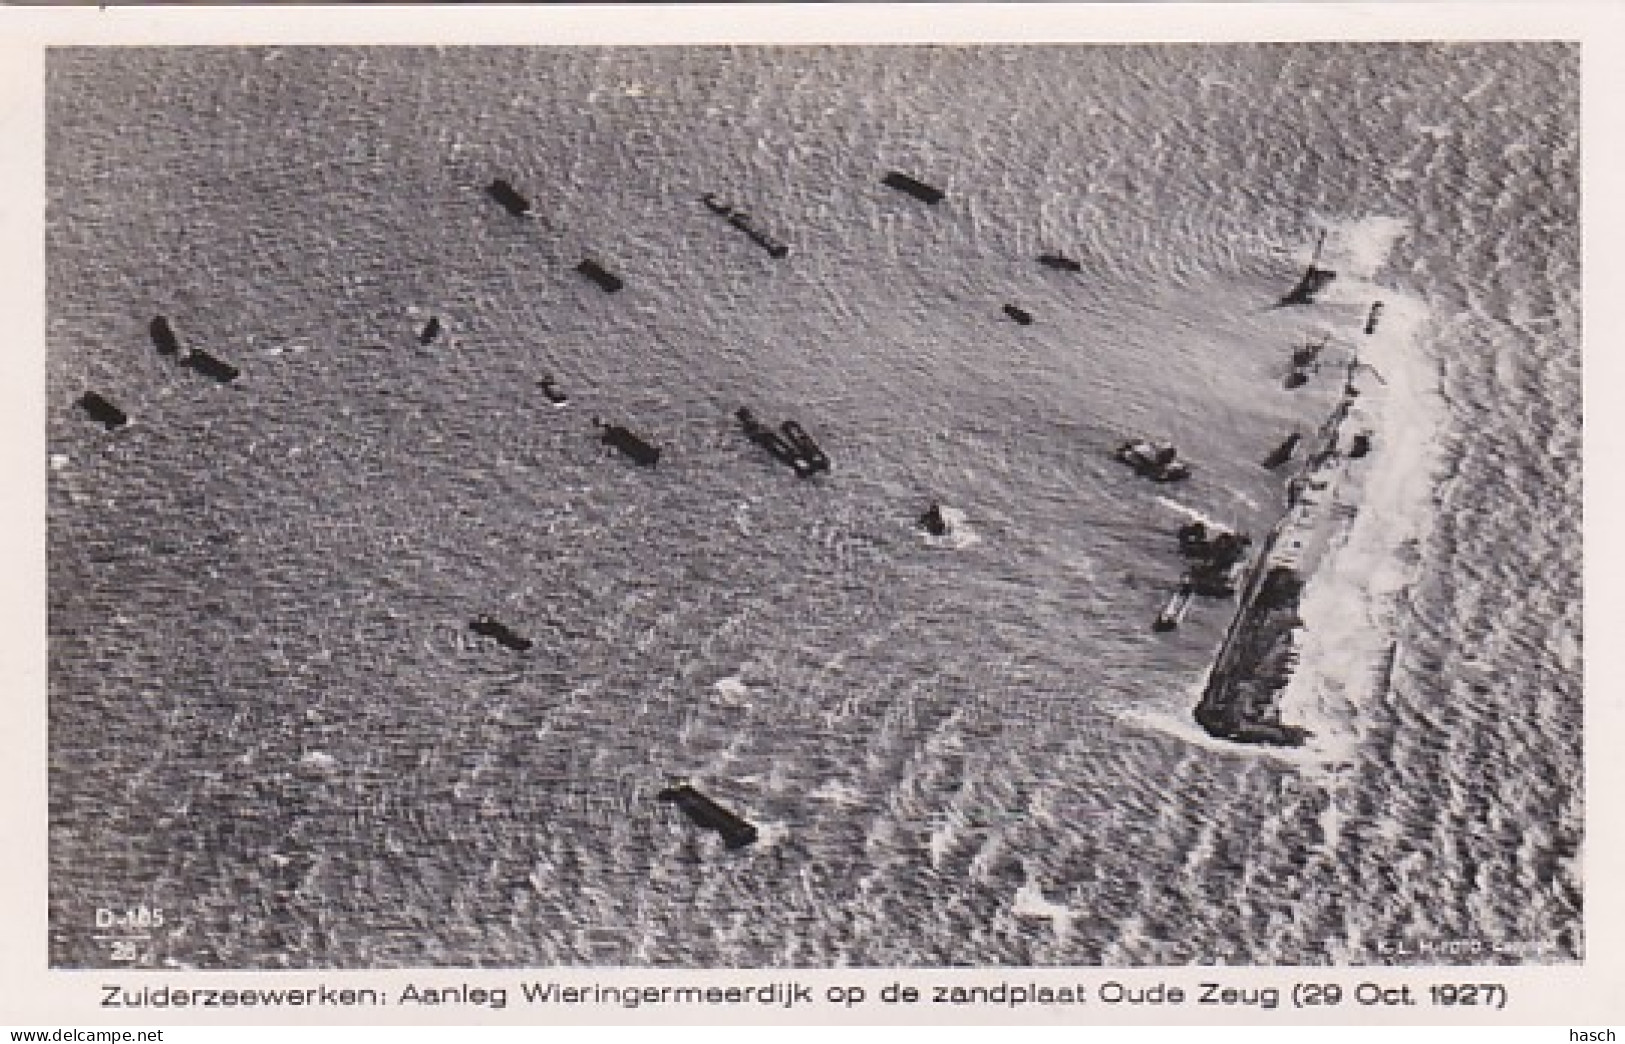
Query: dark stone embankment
(1241, 700)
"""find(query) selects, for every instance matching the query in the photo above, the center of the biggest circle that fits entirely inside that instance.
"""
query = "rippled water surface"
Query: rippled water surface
(270, 719)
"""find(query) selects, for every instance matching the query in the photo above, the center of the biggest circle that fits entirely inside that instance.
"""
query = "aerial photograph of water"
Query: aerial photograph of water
(814, 506)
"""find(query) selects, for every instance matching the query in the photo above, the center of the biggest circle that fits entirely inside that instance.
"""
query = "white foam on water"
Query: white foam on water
(1316, 757)
(1031, 902)
(1348, 598)
(732, 692)
(960, 535)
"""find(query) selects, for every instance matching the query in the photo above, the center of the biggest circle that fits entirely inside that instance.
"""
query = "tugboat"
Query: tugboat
(1218, 559)
(933, 522)
(1157, 461)
(790, 445)
(1314, 280)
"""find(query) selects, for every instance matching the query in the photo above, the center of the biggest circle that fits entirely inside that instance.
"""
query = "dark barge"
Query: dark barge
(501, 633)
(163, 336)
(508, 198)
(217, 370)
(736, 832)
(607, 281)
(1060, 262)
(739, 219)
(914, 187)
(102, 411)
(630, 444)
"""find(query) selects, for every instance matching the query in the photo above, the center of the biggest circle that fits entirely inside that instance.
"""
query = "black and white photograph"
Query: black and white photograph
(754, 506)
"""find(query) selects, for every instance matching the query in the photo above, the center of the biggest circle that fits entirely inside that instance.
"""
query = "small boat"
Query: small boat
(551, 390)
(504, 636)
(431, 330)
(916, 188)
(1060, 262)
(933, 521)
(1156, 461)
(1020, 315)
(1372, 316)
(736, 832)
(1360, 445)
(1173, 613)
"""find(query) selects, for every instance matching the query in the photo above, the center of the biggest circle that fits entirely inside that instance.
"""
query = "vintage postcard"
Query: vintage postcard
(1022, 514)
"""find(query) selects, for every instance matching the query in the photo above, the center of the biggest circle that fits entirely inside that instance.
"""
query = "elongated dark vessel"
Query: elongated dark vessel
(918, 189)
(431, 330)
(628, 442)
(215, 369)
(746, 224)
(163, 336)
(1059, 261)
(735, 831)
(509, 198)
(499, 632)
(1020, 315)
(103, 412)
(607, 280)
